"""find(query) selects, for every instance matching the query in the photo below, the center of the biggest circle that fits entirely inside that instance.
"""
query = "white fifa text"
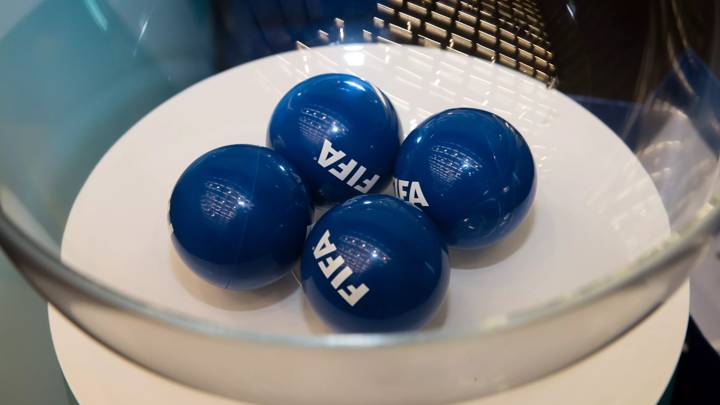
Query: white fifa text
(410, 191)
(334, 160)
(330, 264)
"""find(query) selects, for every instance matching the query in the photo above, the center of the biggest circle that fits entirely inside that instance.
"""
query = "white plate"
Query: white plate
(596, 208)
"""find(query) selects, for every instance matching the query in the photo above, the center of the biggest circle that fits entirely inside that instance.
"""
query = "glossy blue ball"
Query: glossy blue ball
(239, 216)
(471, 172)
(342, 134)
(375, 264)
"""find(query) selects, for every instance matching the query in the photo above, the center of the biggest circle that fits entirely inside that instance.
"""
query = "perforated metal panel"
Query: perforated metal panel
(510, 32)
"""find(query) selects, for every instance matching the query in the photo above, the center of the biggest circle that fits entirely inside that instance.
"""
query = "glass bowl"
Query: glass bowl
(78, 75)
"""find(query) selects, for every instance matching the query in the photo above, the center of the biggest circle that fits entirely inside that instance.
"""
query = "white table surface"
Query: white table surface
(635, 369)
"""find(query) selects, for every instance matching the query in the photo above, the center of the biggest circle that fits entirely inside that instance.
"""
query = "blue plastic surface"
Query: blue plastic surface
(471, 172)
(375, 264)
(340, 132)
(239, 215)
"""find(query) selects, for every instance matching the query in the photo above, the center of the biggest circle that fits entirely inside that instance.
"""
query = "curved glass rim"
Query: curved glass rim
(17, 242)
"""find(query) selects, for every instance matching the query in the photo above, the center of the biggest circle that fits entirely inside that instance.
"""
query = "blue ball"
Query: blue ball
(471, 172)
(239, 216)
(375, 264)
(342, 134)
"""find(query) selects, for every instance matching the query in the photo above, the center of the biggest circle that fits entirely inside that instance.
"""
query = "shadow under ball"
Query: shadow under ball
(471, 172)
(342, 134)
(239, 216)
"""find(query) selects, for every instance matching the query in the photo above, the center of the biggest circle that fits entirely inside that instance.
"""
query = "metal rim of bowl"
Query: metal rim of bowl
(24, 251)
